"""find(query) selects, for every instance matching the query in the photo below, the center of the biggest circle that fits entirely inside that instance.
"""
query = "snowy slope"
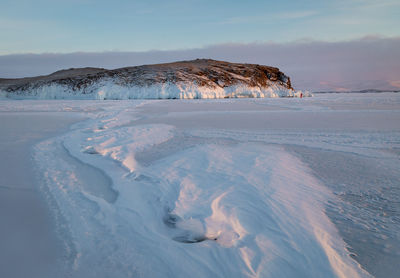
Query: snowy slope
(199, 78)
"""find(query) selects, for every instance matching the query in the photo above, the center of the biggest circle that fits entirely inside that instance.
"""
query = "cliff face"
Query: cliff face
(201, 78)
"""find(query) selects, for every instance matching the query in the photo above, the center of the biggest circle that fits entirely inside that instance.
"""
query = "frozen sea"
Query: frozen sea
(282, 187)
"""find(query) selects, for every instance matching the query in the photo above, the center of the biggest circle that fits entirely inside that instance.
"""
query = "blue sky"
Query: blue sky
(60, 26)
(320, 44)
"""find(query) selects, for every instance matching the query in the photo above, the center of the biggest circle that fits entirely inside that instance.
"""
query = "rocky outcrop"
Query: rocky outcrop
(201, 78)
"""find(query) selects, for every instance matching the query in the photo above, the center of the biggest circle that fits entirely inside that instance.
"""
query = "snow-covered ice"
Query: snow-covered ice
(225, 188)
(25, 222)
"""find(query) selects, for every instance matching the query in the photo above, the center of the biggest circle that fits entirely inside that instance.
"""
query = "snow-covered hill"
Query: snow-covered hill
(201, 78)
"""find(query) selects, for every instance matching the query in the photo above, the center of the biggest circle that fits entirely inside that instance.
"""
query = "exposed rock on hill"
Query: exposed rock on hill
(201, 78)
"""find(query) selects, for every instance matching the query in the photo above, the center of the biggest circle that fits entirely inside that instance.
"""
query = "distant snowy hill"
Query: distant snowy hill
(201, 78)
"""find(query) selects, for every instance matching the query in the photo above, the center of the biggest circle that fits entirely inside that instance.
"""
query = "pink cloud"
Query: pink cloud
(395, 83)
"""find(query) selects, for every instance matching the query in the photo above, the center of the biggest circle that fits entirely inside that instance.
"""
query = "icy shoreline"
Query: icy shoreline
(109, 90)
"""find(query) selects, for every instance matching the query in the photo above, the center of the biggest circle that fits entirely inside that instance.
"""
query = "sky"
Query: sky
(155, 29)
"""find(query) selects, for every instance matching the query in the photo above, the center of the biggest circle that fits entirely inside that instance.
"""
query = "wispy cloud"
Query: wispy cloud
(369, 62)
(395, 83)
(295, 14)
(373, 4)
(268, 17)
(21, 24)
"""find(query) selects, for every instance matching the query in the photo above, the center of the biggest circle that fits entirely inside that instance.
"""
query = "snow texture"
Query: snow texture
(189, 198)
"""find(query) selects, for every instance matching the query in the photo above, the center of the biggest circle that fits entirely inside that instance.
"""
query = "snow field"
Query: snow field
(202, 210)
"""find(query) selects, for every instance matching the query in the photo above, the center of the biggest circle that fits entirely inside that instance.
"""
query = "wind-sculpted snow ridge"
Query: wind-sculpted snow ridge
(201, 78)
(187, 206)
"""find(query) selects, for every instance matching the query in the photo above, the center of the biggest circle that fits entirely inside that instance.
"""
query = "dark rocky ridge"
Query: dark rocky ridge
(202, 72)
